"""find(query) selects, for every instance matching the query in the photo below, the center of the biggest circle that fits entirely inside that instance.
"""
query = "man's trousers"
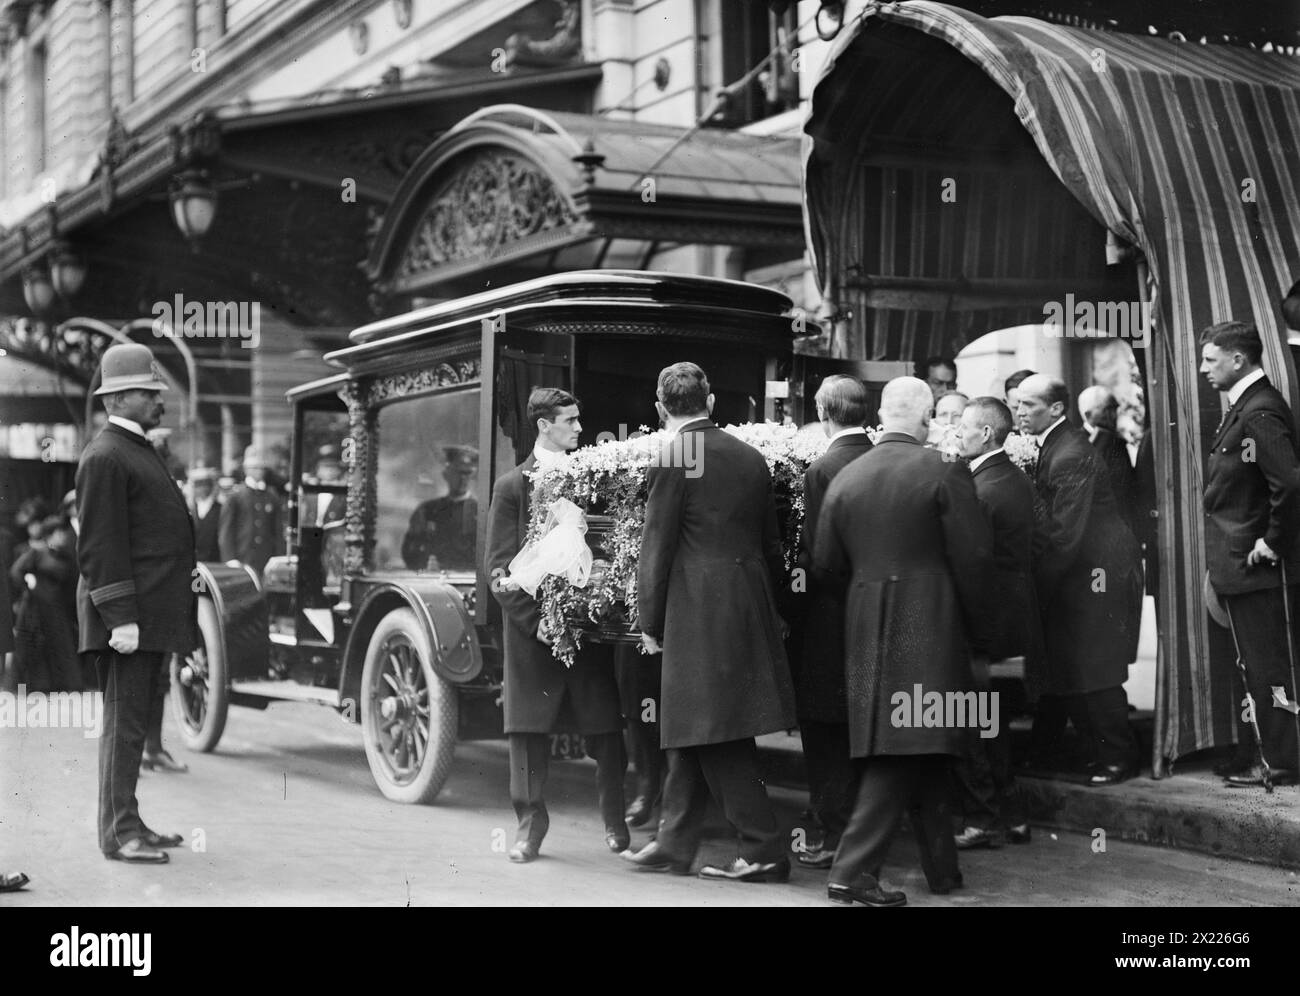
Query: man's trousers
(530, 757)
(887, 786)
(729, 773)
(130, 686)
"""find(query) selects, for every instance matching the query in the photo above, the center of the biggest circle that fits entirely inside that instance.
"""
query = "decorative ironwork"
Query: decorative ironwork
(358, 521)
(562, 46)
(399, 385)
(67, 349)
(488, 202)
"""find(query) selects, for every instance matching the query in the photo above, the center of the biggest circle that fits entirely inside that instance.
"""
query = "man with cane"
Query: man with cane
(1252, 538)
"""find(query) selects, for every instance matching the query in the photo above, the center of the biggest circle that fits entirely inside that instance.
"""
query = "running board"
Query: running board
(286, 691)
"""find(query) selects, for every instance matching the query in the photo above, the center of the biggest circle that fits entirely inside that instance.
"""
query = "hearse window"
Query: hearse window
(427, 488)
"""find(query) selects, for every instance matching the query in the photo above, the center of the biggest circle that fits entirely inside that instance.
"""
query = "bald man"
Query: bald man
(902, 533)
(1088, 582)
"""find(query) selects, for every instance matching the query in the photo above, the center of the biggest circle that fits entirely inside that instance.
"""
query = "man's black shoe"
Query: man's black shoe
(1019, 834)
(617, 842)
(155, 839)
(741, 870)
(638, 814)
(847, 895)
(653, 858)
(971, 837)
(1110, 774)
(523, 852)
(816, 858)
(1255, 776)
(138, 852)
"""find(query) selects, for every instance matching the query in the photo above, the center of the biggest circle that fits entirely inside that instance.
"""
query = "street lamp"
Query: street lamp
(38, 290)
(67, 271)
(194, 205)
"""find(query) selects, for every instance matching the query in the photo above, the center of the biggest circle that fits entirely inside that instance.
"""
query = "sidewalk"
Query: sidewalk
(1192, 810)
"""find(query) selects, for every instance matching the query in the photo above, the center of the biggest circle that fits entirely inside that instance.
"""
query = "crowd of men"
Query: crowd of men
(931, 556)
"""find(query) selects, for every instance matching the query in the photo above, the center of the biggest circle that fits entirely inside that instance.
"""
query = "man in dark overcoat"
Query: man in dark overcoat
(991, 809)
(706, 596)
(1088, 583)
(135, 603)
(901, 526)
(1100, 413)
(542, 696)
(252, 517)
(1252, 536)
(819, 679)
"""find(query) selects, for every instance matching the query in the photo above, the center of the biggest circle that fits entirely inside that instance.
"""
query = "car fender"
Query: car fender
(440, 610)
(241, 609)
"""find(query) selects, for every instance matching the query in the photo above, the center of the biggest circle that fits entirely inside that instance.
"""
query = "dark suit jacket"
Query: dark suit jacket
(1252, 491)
(1123, 480)
(710, 562)
(252, 526)
(903, 525)
(1007, 497)
(135, 551)
(206, 532)
(1087, 570)
(541, 695)
(819, 683)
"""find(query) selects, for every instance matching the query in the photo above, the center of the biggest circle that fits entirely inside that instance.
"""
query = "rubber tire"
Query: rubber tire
(443, 714)
(205, 738)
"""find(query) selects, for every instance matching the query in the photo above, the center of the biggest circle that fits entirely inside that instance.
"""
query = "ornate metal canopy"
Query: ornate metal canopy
(515, 192)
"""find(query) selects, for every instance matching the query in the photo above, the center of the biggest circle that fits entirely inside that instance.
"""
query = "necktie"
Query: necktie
(1224, 420)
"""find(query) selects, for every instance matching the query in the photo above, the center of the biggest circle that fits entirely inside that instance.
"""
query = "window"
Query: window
(37, 88)
(427, 486)
(739, 37)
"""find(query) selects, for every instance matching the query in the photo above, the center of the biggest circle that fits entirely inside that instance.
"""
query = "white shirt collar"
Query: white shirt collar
(1042, 436)
(203, 505)
(546, 458)
(128, 425)
(1239, 388)
(1091, 430)
(982, 457)
(852, 430)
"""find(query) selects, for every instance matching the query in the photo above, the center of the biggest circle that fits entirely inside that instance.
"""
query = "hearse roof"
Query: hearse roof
(536, 300)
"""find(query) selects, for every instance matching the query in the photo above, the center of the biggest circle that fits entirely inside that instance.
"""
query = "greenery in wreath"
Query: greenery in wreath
(609, 480)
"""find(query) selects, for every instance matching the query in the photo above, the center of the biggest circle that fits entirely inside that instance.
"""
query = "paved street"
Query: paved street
(288, 814)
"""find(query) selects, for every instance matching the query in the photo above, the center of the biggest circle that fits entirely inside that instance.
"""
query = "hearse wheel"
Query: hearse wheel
(200, 698)
(408, 713)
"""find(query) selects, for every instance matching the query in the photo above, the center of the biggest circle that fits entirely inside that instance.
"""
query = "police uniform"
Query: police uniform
(135, 553)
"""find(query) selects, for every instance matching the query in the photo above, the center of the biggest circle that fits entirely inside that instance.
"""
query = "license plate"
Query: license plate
(567, 747)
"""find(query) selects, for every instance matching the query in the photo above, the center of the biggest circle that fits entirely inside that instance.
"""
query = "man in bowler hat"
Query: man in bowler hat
(135, 605)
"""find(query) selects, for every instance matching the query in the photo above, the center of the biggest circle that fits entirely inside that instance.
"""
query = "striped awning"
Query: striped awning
(1189, 153)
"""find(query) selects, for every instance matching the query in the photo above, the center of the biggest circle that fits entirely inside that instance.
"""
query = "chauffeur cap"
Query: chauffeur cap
(129, 367)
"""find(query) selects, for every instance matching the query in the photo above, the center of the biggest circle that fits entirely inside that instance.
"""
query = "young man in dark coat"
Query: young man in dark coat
(1088, 583)
(541, 695)
(991, 809)
(205, 507)
(1252, 535)
(902, 529)
(819, 682)
(252, 517)
(135, 603)
(706, 590)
